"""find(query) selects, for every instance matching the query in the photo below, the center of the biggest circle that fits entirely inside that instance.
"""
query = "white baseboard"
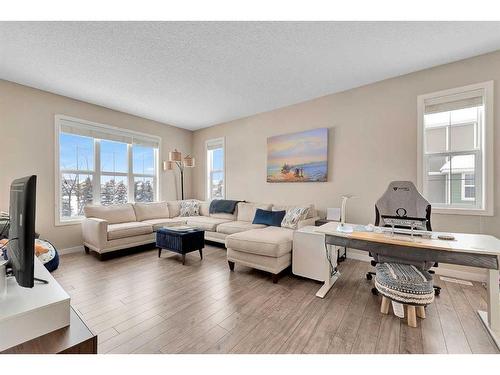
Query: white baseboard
(465, 274)
(71, 250)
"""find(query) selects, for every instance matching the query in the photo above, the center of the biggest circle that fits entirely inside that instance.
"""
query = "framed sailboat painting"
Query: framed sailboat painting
(298, 157)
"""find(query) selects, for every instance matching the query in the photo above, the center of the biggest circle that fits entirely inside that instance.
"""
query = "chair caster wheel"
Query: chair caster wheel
(375, 291)
(437, 292)
(369, 276)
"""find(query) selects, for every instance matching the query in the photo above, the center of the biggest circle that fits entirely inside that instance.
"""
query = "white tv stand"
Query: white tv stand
(29, 313)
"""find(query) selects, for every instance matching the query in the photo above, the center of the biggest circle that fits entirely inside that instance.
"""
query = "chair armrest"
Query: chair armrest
(95, 232)
(307, 222)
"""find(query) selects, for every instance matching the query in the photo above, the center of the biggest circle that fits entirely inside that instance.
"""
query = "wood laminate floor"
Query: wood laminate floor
(140, 303)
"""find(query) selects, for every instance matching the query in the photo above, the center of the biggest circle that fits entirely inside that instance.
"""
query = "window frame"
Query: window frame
(208, 173)
(97, 173)
(484, 170)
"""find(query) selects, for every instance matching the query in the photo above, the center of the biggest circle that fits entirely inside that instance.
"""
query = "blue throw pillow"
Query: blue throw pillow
(271, 218)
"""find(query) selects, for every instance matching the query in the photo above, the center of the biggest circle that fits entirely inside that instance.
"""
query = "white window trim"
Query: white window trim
(97, 173)
(464, 185)
(487, 193)
(222, 141)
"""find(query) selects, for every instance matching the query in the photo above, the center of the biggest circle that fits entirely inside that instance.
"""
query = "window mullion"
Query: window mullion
(76, 171)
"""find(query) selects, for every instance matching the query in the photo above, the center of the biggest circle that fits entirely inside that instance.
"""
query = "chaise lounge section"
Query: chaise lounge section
(268, 249)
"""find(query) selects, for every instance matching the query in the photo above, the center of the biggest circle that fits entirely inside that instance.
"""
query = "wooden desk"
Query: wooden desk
(474, 250)
(77, 338)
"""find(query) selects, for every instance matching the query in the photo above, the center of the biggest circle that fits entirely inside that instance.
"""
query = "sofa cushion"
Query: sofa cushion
(237, 226)
(270, 241)
(310, 214)
(153, 210)
(246, 211)
(174, 208)
(204, 222)
(271, 218)
(165, 222)
(204, 208)
(131, 229)
(226, 217)
(119, 213)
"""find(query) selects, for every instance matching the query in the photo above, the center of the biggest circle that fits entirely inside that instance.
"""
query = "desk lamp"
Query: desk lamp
(342, 227)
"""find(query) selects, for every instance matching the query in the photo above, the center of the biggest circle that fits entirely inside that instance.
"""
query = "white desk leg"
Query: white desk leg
(491, 319)
(329, 280)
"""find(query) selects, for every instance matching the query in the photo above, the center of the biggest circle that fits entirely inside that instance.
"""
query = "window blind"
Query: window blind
(109, 134)
(464, 100)
(214, 145)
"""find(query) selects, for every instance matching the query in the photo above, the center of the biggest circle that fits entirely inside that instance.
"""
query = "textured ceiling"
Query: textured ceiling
(196, 74)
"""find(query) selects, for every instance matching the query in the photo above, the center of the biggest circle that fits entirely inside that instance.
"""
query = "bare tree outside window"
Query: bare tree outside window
(143, 191)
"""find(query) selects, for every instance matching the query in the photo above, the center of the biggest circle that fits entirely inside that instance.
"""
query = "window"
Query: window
(455, 149)
(99, 164)
(215, 169)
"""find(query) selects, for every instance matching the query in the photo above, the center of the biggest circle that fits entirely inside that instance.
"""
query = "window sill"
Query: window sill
(68, 222)
(461, 211)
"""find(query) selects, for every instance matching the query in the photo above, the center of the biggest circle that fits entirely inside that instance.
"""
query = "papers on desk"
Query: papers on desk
(348, 228)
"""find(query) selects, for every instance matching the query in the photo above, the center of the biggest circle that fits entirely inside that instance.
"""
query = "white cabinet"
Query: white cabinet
(26, 313)
(309, 255)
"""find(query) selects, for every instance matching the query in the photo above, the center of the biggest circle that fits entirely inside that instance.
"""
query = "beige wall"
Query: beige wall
(27, 147)
(372, 141)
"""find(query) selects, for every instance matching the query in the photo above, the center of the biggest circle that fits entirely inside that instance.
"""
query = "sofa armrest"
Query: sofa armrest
(95, 232)
(307, 222)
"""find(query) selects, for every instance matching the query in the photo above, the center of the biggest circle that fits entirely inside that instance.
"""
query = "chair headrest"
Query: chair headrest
(402, 199)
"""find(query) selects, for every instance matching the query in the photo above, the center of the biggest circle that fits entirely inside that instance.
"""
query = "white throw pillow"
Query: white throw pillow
(190, 208)
(293, 216)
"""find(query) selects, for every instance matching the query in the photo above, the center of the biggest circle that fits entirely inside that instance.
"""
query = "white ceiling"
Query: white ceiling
(196, 74)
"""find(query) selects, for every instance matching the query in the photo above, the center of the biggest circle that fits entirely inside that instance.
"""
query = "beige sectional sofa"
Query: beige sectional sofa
(109, 228)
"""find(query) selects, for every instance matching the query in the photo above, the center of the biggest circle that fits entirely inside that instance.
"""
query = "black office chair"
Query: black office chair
(402, 199)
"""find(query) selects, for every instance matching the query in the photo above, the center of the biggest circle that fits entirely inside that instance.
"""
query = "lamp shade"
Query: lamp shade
(189, 161)
(167, 165)
(174, 156)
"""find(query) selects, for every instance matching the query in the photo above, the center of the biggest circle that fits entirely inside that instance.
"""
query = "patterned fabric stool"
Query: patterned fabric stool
(407, 285)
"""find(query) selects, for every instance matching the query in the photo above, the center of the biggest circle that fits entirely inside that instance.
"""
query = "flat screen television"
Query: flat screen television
(21, 245)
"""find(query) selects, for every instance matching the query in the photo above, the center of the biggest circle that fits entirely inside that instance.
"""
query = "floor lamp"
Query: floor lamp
(175, 158)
